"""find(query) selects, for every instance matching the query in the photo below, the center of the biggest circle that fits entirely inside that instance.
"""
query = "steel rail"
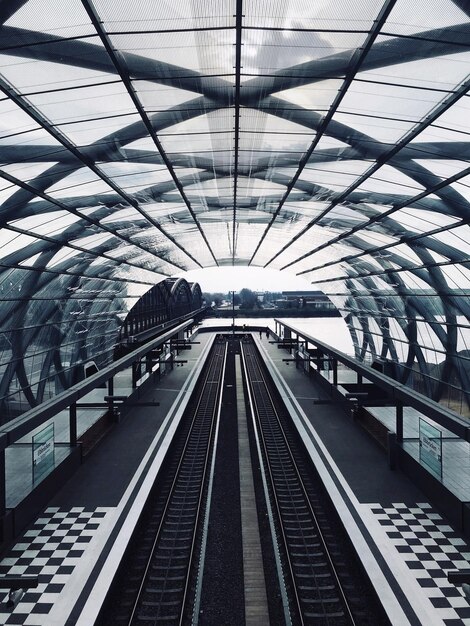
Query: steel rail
(205, 529)
(257, 369)
(275, 543)
(202, 397)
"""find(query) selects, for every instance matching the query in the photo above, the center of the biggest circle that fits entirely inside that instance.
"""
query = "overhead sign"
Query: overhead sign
(43, 451)
(430, 447)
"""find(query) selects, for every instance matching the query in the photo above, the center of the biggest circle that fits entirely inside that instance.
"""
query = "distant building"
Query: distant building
(301, 299)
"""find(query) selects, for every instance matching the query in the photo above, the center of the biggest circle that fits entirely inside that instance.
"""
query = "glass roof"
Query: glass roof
(329, 140)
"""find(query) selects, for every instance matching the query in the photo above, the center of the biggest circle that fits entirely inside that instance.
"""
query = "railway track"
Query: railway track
(161, 570)
(314, 580)
(162, 581)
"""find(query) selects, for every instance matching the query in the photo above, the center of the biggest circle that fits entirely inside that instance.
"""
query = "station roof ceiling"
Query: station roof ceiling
(329, 139)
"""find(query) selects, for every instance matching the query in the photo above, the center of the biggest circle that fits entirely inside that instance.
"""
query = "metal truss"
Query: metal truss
(193, 164)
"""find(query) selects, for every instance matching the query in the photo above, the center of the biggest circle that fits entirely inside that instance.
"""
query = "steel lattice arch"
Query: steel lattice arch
(140, 140)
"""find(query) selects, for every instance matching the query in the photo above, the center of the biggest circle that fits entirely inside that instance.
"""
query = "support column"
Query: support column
(73, 424)
(111, 394)
(399, 422)
(135, 373)
(3, 486)
(335, 372)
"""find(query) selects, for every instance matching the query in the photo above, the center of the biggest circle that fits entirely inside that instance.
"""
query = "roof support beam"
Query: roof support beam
(379, 217)
(85, 160)
(123, 73)
(237, 86)
(353, 68)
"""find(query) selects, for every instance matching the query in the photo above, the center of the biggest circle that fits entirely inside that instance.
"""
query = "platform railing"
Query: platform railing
(14, 430)
(397, 393)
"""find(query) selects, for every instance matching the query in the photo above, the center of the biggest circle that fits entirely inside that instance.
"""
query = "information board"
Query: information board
(430, 447)
(43, 451)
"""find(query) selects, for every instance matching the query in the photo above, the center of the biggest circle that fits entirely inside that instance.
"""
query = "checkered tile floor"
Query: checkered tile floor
(51, 549)
(429, 547)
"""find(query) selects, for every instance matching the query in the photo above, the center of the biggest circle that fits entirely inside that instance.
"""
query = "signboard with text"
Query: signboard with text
(43, 451)
(430, 447)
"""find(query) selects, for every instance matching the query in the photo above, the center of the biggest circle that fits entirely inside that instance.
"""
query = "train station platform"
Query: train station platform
(406, 545)
(75, 545)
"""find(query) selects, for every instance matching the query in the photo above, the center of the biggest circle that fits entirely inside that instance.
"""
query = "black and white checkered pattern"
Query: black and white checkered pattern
(51, 549)
(430, 548)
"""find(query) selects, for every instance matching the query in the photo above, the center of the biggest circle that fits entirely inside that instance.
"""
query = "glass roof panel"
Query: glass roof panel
(422, 221)
(462, 187)
(389, 180)
(264, 51)
(160, 97)
(27, 172)
(385, 101)
(385, 130)
(318, 96)
(443, 168)
(79, 183)
(405, 19)
(458, 238)
(91, 131)
(55, 222)
(13, 121)
(36, 75)
(207, 138)
(336, 175)
(127, 15)
(12, 242)
(440, 73)
(135, 177)
(53, 17)
(330, 14)
(98, 101)
(201, 51)
(456, 117)
(7, 189)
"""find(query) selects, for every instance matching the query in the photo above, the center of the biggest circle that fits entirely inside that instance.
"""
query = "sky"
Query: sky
(224, 279)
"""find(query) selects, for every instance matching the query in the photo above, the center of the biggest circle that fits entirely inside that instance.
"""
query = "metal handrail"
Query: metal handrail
(22, 425)
(398, 392)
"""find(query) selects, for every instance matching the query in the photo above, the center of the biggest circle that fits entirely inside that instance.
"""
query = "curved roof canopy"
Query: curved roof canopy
(329, 139)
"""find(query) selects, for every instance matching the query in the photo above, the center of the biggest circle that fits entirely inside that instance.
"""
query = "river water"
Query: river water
(330, 330)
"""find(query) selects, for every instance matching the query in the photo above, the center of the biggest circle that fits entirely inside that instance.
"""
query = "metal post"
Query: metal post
(399, 422)
(111, 394)
(3, 486)
(233, 313)
(73, 424)
(359, 378)
(335, 372)
(135, 375)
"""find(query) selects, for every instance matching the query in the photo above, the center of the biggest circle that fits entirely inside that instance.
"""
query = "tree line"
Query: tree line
(245, 299)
